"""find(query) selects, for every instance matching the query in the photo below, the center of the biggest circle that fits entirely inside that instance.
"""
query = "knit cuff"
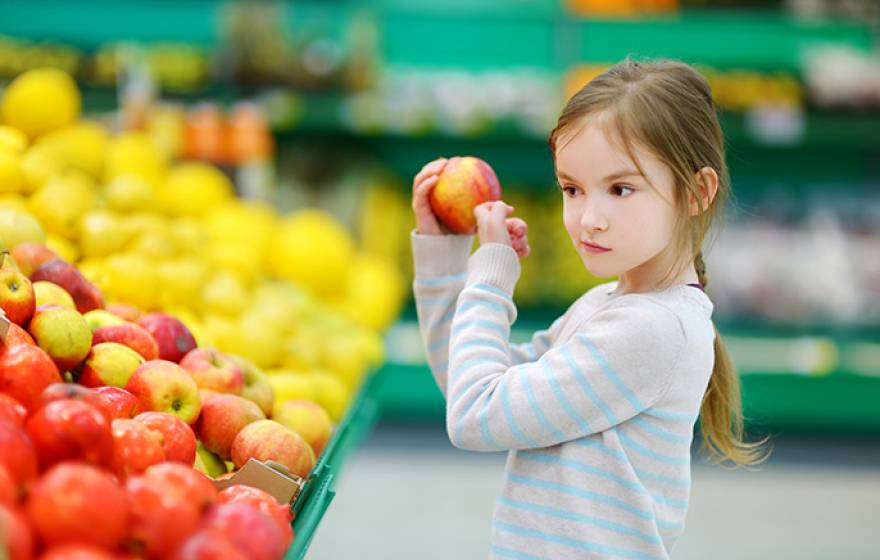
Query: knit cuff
(495, 264)
(440, 255)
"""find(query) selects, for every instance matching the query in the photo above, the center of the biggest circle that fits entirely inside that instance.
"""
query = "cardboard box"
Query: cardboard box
(268, 476)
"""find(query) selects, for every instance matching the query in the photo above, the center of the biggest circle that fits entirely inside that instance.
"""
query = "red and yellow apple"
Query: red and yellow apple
(213, 370)
(118, 403)
(49, 293)
(222, 418)
(97, 318)
(252, 531)
(84, 293)
(15, 336)
(257, 387)
(269, 440)
(16, 292)
(130, 334)
(264, 501)
(166, 387)
(309, 420)
(25, 371)
(124, 311)
(136, 446)
(109, 363)
(172, 336)
(464, 183)
(179, 440)
(63, 334)
(29, 256)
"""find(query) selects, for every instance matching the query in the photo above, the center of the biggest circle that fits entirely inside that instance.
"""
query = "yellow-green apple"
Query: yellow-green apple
(118, 403)
(109, 363)
(62, 333)
(17, 297)
(70, 430)
(251, 530)
(213, 370)
(223, 416)
(257, 387)
(464, 183)
(309, 420)
(25, 371)
(269, 440)
(267, 503)
(179, 440)
(11, 410)
(49, 293)
(97, 318)
(172, 336)
(130, 334)
(16, 535)
(208, 463)
(18, 455)
(136, 446)
(84, 293)
(166, 387)
(76, 502)
(29, 256)
(124, 311)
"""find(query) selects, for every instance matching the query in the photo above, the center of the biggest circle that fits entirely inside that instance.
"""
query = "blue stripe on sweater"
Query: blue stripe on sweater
(494, 305)
(511, 420)
(651, 454)
(501, 330)
(516, 555)
(610, 374)
(480, 343)
(671, 416)
(579, 518)
(665, 435)
(539, 414)
(581, 422)
(574, 543)
(491, 289)
(441, 320)
(587, 388)
(440, 280)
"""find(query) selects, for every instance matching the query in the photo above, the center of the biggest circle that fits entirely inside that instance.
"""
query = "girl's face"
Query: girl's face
(608, 203)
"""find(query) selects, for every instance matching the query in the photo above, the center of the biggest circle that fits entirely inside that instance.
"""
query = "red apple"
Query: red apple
(16, 536)
(136, 446)
(70, 430)
(280, 513)
(118, 403)
(208, 545)
(109, 363)
(257, 387)
(84, 293)
(63, 334)
(125, 311)
(269, 440)
(78, 503)
(16, 292)
(11, 410)
(158, 523)
(8, 488)
(172, 336)
(222, 417)
(18, 455)
(77, 552)
(213, 370)
(254, 533)
(16, 336)
(166, 387)
(179, 440)
(62, 391)
(25, 371)
(464, 183)
(186, 483)
(130, 334)
(29, 256)
(307, 419)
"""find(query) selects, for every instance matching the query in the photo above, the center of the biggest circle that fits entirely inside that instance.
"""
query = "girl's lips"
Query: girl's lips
(593, 248)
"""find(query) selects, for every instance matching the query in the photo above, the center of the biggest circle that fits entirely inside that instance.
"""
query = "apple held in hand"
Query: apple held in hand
(464, 183)
(166, 387)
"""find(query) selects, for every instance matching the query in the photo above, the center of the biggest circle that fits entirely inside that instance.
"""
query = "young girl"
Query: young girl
(597, 412)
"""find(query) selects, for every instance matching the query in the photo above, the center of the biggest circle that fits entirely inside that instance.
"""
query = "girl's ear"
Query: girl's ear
(707, 180)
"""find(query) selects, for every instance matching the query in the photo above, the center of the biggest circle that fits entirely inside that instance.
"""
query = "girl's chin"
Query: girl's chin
(599, 271)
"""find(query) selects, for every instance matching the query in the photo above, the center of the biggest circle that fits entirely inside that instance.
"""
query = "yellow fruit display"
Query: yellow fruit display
(131, 278)
(62, 247)
(130, 193)
(289, 385)
(189, 234)
(39, 101)
(81, 146)
(135, 154)
(332, 394)
(62, 201)
(14, 201)
(181, 282)
(258, 341)
(102, 233)
(314, 250)
(226, 222)
(194, 189)
(11, 175)
(12, 140)
(37, 167)
(238, 256)
(375, 292)
(224, 294)
(17, 227)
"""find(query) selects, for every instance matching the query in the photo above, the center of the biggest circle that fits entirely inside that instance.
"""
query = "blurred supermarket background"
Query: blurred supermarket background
(335, 104)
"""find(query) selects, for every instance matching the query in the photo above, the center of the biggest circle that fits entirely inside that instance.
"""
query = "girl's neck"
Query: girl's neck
(633, 283)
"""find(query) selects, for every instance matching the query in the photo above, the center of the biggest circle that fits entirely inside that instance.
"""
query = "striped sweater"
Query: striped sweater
(596, 412)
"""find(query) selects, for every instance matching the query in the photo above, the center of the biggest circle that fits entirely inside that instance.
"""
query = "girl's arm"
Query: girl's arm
(618, 364)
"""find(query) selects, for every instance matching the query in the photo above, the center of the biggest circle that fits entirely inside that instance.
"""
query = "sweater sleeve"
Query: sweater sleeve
(618, 364)
(440, 263)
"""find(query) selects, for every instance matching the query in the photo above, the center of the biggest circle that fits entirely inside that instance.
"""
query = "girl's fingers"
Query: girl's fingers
(432, 168)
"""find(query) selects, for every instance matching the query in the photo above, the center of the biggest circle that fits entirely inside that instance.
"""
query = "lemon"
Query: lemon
(102, 233)
(332, 394)
(193, 189)
(37, 167)
(237, 256)
(257, 341)
(131, 278)
(17, 227)
(62, 247)
(314, 250)
(14, 201)
(81, 146)
(62, 201)
(189, 234)
(182, 281)
(130, 193)
(135, 153)
(289, 385)
(11, 175)
(12, 140)
(40, 100)
(93, 270)
(225, 294)
(222, 330)
(156, 244)
(226, 222)
(375, 293)
(345, 357)
(303, 351)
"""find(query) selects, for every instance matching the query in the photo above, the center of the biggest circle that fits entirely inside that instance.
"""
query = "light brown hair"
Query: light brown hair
(666, 107)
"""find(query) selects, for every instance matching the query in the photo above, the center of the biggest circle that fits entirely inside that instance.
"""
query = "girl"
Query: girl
(597, 412)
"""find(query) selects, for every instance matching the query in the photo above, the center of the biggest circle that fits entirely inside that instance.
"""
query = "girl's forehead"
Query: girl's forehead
(593, 152)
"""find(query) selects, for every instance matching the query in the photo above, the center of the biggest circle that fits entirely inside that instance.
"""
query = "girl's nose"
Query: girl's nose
(592, 219)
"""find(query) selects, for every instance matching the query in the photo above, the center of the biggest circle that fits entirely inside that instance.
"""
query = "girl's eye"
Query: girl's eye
(618, 190)
(569, 190)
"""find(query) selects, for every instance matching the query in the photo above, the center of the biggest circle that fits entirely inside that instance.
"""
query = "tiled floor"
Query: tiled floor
(407, 494)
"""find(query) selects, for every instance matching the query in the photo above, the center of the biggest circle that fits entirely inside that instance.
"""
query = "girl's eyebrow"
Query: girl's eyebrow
(616, 175)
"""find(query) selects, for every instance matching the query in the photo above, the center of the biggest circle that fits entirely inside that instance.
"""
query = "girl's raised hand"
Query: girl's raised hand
(426, 222)
(494, 226)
